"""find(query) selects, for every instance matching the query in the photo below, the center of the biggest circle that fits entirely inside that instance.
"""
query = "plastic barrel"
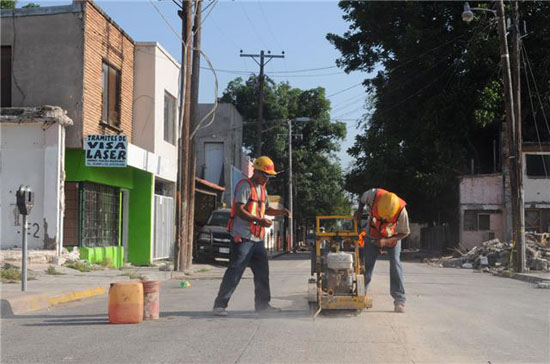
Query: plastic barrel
(151, 300)
(126, 303)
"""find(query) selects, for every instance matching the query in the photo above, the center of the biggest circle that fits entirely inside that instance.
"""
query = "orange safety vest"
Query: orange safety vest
(254, 206)
(378, 227)
(361, 240)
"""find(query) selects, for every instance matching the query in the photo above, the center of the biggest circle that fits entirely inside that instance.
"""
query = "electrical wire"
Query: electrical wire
(533, 107)
(536, 89)
(346, 89)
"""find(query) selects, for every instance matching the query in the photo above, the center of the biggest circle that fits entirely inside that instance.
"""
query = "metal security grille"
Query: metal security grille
(164, 227)
(100, 215)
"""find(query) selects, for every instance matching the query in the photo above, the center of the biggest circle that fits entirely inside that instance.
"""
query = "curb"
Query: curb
(29, 303)
(523, 277)
(26, 303)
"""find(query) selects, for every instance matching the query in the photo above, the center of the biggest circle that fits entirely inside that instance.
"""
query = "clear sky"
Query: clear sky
(296, 27)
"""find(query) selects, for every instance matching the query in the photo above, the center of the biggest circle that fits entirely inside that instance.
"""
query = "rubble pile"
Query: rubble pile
(494, 255)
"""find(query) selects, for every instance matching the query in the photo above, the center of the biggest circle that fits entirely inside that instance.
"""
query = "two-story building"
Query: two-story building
(76, 57)
(485, 208)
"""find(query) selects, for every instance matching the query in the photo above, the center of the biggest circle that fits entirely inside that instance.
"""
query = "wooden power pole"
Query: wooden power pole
(519, 221)
(182, 210)
(513, 126)
(261, 81)
(195, 73)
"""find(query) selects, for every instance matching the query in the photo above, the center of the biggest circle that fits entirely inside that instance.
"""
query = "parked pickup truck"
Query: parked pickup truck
(213, 239)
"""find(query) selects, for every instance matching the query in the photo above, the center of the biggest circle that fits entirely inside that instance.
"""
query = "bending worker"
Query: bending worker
(247, 227)
(387, 224)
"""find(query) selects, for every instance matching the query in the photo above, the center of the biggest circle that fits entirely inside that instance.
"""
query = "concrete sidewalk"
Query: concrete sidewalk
(49, 290)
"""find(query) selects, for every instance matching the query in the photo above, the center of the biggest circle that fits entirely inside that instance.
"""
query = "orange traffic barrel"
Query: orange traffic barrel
(151, 300)
(126, 302)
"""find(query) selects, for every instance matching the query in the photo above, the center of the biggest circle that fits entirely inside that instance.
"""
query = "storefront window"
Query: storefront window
(100, 215)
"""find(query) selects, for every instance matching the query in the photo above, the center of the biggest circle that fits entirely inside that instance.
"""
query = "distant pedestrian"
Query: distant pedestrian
(247, 227)
(387, 225)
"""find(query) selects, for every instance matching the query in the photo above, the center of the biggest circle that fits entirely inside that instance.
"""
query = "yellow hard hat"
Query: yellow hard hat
(265, 164)
(388, 205)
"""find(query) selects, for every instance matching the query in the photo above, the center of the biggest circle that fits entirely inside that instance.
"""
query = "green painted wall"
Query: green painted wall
(141, 185)
(114, 254)
(140, 224)
(75, 166)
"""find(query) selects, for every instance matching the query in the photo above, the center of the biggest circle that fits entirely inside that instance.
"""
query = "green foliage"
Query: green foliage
(7, 4)
(53, 271)
(11, 274)
(81, 266)
(438, 101)
(107, 263)
(31, 5)
(317, 173)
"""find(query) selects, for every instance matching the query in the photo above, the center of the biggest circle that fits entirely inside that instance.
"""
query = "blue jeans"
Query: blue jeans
(371, 252)
(244, 254)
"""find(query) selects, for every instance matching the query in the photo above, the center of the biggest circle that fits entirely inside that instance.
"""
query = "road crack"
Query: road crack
(248, 344)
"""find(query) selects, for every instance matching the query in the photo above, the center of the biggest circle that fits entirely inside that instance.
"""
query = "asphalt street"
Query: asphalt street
(453, 316)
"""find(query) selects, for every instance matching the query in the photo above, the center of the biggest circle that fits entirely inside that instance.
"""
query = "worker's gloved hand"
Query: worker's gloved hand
(265, 222)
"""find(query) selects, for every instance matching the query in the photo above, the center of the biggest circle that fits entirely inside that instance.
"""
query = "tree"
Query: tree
(437, 103)
(7, 4)
(31, 5)
(317, 174)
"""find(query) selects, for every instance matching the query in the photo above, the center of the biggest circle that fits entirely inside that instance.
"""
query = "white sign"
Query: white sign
(106, 150)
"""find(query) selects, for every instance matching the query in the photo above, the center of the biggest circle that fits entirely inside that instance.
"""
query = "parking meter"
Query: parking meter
(25, 199)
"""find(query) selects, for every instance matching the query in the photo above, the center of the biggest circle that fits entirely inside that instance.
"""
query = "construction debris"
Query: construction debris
(494, 255)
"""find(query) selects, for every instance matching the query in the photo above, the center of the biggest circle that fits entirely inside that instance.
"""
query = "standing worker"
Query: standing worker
(387, 225)
(247, 227)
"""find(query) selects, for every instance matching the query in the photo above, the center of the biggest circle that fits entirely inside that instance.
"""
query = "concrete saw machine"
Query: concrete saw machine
(338, 280)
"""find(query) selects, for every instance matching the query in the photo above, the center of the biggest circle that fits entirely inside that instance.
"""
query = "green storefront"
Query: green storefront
(112, 210)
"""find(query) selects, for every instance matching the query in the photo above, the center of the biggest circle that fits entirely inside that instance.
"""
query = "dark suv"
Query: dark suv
(213, 239)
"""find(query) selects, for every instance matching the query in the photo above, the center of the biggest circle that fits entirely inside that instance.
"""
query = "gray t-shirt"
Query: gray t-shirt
(241, 227)
(402, 226)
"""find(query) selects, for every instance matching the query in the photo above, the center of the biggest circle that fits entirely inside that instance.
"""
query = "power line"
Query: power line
(346, 89)
(533, 108)
(537, 90)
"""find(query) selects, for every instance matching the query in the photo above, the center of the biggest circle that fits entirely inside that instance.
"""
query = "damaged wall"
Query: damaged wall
(482, 211)
(32, 154)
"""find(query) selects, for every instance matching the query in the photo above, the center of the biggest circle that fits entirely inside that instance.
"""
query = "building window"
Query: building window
(99, 215)
(110, 88)
(6, 76)
(537, 220)
(538, 165)
(169, 118)
(477, 220)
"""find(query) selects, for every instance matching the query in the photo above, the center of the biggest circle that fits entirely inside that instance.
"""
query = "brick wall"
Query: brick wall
(104, 41)
(71, 220)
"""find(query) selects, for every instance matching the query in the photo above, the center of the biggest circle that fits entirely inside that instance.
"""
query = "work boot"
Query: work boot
(399, 307)
(268, 309)
(219, 311)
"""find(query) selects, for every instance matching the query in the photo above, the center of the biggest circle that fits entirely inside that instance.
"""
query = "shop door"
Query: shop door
(164, 227)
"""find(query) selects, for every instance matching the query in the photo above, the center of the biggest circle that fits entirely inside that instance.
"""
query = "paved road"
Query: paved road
(453, 316)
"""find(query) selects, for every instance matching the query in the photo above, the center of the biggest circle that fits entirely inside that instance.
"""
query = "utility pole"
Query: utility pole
(182, 194)
(195, 73)
(516, 80)
(290, 194)
(259, 127)
(514, 133)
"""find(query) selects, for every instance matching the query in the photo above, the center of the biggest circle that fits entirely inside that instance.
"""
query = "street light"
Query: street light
(290, 202)
(468, 14)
